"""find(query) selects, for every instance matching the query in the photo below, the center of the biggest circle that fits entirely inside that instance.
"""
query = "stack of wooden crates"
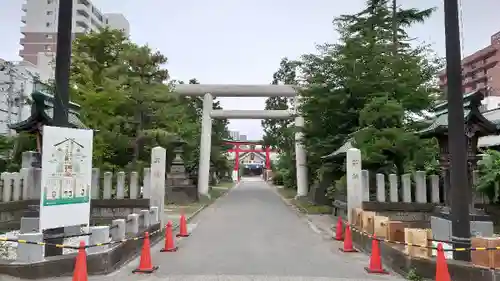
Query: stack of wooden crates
(490, 258)
(396, 231)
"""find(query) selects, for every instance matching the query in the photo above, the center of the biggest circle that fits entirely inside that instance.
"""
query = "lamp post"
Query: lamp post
(456, 134)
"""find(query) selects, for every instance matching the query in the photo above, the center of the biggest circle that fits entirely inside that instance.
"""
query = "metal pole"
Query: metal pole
(63, 62)
(61, 95)
(456, 134)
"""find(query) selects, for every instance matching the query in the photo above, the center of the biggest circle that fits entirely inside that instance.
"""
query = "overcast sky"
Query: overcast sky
(236, 41)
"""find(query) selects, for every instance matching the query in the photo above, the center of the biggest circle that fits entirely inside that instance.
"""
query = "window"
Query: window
(47, 24)
(47, 48)
(49, 2)
(49, 13)
(48, 36)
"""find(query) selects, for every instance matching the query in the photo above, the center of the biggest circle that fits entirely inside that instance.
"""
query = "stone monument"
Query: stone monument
(180, 188)
(354, 187)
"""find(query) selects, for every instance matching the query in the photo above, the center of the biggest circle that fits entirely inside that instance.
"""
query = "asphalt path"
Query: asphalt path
(251, 234)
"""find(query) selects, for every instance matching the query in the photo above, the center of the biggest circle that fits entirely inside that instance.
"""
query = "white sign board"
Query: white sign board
(66, 177)
(353, 174)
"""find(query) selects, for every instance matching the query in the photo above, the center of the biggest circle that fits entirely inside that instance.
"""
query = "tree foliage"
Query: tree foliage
(280, 133)
(367, 88)
(126, 97)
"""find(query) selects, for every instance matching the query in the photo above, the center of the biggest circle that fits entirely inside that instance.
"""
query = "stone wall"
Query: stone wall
(113, 196)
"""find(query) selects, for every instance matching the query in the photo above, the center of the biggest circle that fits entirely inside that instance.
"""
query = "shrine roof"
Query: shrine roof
(42, 111)
(341, 150)
(490, 122)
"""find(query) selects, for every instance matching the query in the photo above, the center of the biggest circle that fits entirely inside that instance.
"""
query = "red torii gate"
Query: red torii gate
(236, 149)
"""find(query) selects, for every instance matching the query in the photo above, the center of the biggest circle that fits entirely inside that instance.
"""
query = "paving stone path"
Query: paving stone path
(250, 234)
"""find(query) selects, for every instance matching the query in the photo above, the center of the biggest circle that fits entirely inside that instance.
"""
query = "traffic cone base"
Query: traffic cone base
(169, 250)
(151, 270)
(348, 250)
(182, 235)
(379, 271)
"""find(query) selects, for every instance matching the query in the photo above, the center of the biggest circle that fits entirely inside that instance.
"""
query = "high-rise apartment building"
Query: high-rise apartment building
(39, 40)
(235, 135)
(481, 69)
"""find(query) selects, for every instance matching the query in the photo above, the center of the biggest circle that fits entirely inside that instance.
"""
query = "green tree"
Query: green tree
(358, 90)
(280, 133)
(125, 95)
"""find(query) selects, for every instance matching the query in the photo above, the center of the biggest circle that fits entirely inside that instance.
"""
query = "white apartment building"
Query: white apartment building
(235, 135)
(39, 40)
(17, 82)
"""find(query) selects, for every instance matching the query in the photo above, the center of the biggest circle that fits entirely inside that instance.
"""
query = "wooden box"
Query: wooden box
(396, 231)
(357, 219)
(418, 237)
(368, 223)
(380, 224)
(490, 259)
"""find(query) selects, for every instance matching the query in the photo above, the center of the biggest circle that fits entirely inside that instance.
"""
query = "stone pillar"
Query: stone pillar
(153, 218)
(300, 159)
(100, 234)
(353, 174)
(158, 164)
(132, 224)
(236, 170)
(205, 146)
(118, 229)
(30, 253)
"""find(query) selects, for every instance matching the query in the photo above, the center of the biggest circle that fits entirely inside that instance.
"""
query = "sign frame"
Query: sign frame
(66, 179)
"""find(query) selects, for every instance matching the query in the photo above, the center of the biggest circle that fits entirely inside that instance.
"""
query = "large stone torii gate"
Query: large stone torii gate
(209, 91)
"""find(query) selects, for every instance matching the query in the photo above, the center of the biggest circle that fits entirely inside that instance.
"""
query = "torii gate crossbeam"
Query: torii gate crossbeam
(210, 91)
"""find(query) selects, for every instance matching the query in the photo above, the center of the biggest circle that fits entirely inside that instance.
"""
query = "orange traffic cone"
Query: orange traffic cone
(442, 273)
(169, 239)
(375, 265)
(145, 265)
(348, 248)
(183, 227)
(338, 230)
(80, 272)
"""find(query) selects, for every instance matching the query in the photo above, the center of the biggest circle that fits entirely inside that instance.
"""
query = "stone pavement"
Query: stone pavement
(251, 234)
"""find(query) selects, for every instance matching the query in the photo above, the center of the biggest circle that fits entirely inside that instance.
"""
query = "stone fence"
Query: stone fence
(109, 248)
(113, 196)
(123, 207)
(411, 197)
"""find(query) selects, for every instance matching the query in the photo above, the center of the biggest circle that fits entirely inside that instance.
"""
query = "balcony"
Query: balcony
(82, 10)
(24, 7)
(23, 19)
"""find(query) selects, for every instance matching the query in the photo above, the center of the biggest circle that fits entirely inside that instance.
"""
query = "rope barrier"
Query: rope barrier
(371, 236)
(21, 241)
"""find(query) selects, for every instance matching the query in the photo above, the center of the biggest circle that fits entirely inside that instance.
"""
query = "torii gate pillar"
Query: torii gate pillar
(236, 170)
(209, 91)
